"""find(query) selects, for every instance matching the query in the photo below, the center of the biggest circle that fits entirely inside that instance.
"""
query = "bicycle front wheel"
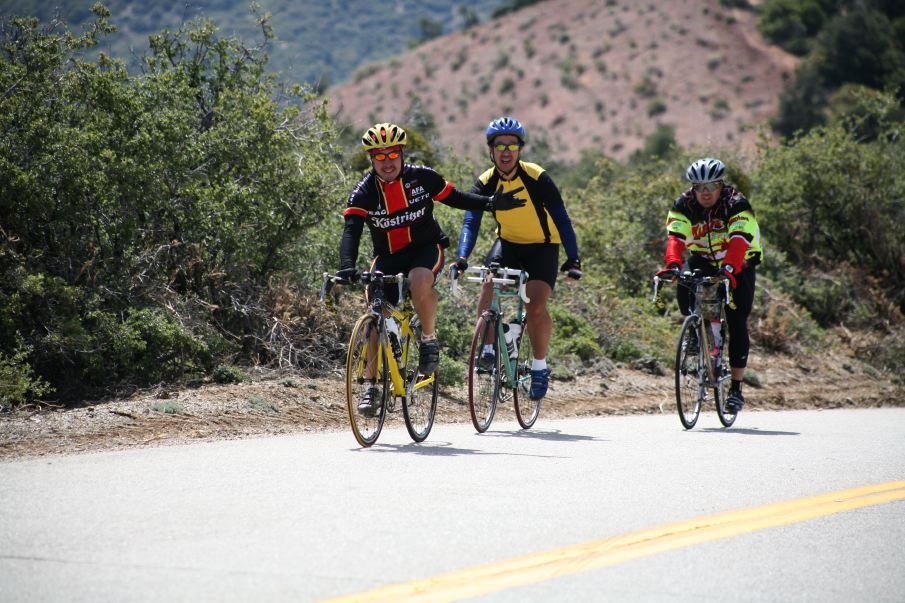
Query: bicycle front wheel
(420, 403)
(483, 377)
(366, 374)
(526, 409)
(689, 373)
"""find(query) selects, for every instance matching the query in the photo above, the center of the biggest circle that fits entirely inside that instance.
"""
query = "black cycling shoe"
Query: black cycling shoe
(692, 345)
(369, 405)
(487, 362)
(429, 356)
(735, 401)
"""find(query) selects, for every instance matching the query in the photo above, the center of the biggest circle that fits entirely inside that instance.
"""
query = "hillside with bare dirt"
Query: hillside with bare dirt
(585, 74)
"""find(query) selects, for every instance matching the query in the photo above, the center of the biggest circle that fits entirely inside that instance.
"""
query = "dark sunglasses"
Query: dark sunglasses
(390, 155)
(707, 187)
(507, 147)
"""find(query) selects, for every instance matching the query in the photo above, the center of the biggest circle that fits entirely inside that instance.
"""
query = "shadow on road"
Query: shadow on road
(752, 431)
(553, 435)
(437, 448)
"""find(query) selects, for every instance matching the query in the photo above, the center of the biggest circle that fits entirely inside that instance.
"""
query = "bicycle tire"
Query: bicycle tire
(526, 409)
(721, 390)
(483, 383)
(419, 406)
(689, 374)
(365, 428)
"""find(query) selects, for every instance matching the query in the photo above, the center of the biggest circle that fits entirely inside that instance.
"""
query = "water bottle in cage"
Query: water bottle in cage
(515, 330)
(393, 332)
(716, 329)
(510, 340)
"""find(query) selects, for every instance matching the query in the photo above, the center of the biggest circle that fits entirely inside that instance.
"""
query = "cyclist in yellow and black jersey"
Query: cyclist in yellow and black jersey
(715, 223)
(396, 201)
(528, 237)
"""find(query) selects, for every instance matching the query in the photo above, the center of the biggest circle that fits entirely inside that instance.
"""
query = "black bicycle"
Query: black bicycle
(702, 365)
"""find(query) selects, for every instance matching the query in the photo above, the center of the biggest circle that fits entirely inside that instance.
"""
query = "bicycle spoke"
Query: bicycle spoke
(690, 376)
(420, 403)
(483, 378)
(365, 369)
(721, 390)
(526, 409)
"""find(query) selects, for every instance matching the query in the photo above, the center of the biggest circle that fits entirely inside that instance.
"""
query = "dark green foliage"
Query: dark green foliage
(801, 103)
(860, 46)
(145, 218)
(828, 200)
(792, 23)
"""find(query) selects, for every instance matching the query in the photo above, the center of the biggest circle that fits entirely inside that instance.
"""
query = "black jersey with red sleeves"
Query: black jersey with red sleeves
(400, 213)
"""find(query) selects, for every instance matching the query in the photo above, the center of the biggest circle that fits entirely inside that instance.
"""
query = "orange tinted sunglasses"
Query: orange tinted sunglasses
(390, 155)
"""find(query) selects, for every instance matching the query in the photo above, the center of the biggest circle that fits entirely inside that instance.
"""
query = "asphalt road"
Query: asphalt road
(617, 508)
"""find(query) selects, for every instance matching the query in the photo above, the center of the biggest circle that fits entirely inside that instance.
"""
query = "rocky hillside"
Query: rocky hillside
(585, 74)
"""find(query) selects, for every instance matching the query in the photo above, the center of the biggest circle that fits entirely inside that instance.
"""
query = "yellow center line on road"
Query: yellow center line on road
(608, 551)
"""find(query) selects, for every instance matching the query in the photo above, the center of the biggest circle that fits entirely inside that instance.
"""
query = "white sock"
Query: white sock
(488, 348)
(426, 337)
(538, 365)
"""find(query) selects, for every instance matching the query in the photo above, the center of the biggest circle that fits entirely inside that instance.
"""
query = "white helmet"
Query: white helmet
(705, 170)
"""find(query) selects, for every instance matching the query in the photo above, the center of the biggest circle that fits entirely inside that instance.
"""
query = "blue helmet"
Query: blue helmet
(505, 125)
(705, 170)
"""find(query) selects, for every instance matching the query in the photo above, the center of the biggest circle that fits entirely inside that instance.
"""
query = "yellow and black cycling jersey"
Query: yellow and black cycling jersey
(531, 223)
(706, 231)
(543, 219)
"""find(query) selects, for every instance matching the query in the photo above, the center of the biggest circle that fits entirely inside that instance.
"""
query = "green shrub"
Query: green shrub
(18, 383)
(224, 373)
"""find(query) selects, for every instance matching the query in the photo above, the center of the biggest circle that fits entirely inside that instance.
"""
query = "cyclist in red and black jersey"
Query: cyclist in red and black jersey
(396, 201)
(716, 224)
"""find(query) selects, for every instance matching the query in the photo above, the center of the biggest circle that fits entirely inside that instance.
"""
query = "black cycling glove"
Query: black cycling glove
(502, 201)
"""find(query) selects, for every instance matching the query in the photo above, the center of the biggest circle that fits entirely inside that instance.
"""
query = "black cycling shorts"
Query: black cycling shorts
(426, 256)
(540, 260)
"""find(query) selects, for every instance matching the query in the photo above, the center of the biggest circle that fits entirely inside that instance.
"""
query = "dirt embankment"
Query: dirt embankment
(288, 403)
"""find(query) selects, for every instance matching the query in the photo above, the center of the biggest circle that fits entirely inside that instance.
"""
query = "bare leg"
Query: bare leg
(540, 325)
(424, 298)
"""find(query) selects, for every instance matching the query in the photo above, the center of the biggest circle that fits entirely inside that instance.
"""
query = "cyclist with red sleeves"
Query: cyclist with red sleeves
(715, 223)
(396, 201)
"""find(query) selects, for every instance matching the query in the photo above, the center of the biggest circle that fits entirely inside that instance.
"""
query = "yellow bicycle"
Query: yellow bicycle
(383, 354)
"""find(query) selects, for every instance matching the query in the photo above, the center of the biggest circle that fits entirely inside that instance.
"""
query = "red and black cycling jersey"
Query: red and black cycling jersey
(400, 213)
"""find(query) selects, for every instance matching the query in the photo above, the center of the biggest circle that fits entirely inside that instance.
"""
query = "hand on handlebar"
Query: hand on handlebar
(349, 275)
(728, 273)
(572, 268)
(460, 265)
(670, 272)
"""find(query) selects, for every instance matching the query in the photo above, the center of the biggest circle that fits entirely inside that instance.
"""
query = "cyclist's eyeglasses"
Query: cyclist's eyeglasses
(507, 147)
(707, 187)
(390, 155)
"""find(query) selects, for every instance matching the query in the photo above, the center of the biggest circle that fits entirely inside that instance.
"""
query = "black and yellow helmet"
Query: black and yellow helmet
(383, 135)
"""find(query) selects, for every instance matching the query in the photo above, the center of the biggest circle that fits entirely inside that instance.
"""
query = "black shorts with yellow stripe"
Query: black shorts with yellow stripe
(425, 256)
(540, 260)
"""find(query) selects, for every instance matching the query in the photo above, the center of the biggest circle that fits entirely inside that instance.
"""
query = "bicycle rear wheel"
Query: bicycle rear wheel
(420, 403)
(526, 409)
(366, 366)
(721, 390)
(689, 373)
(483, 380)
